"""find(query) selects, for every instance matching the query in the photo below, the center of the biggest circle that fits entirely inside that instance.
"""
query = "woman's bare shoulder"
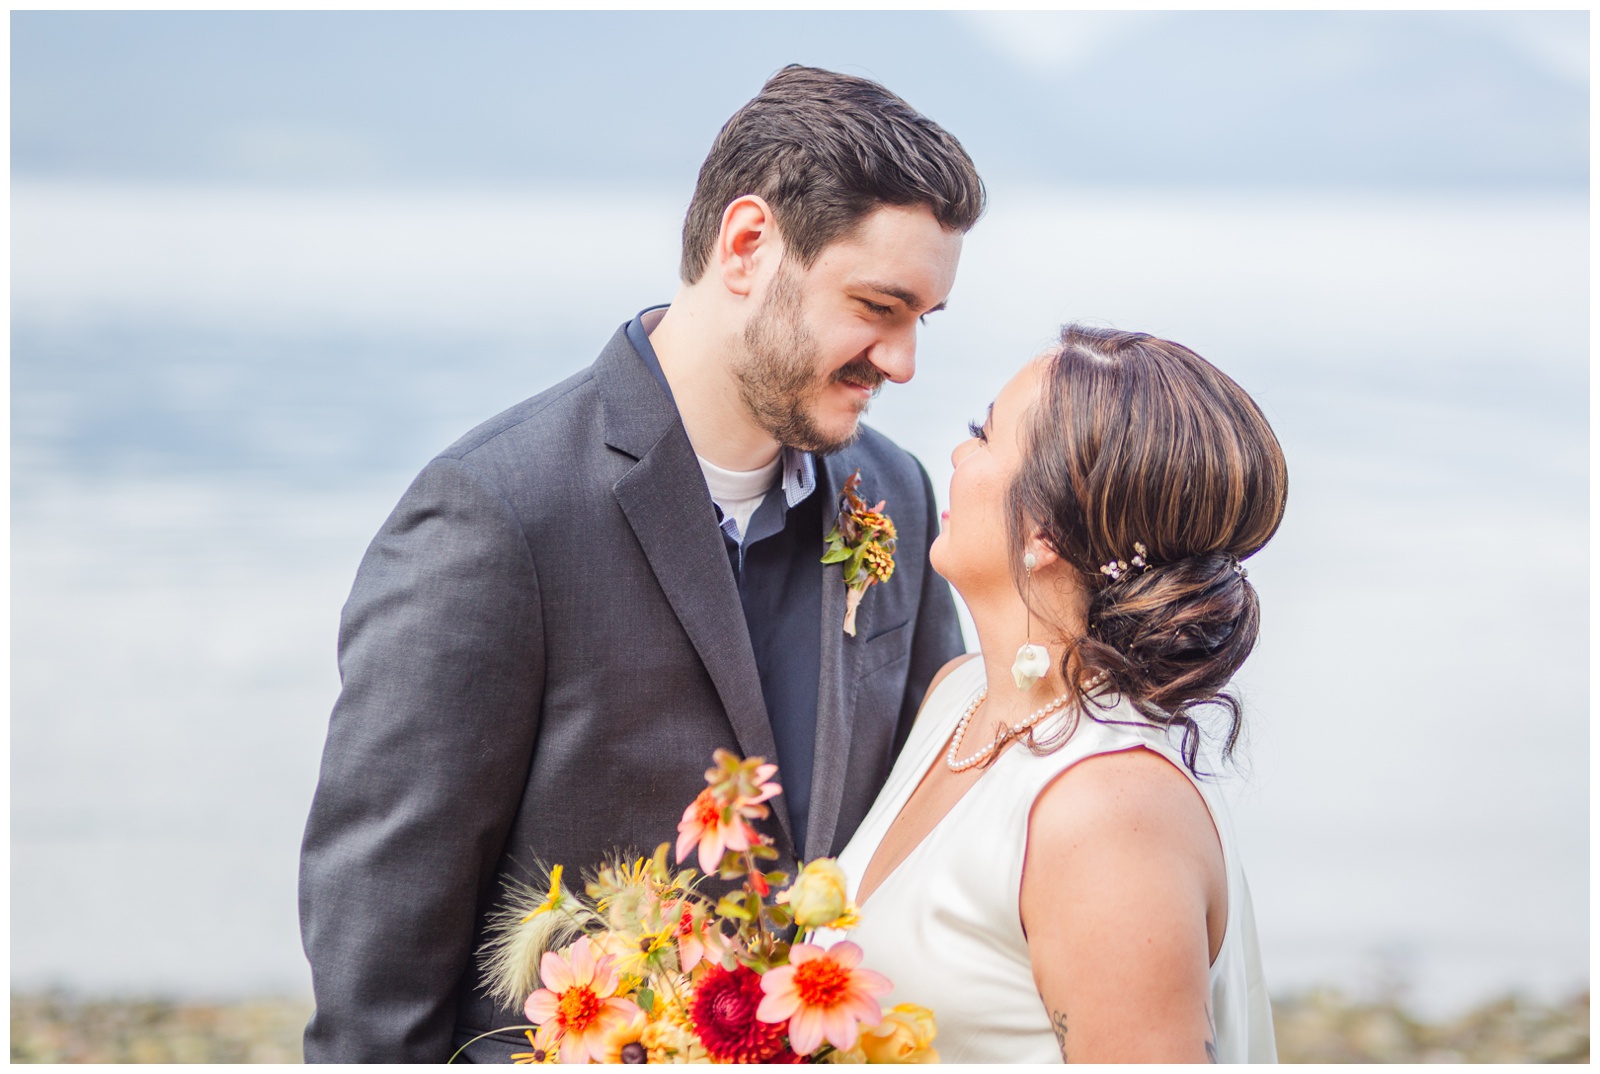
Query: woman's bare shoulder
(1113, 799)
(1117, 898)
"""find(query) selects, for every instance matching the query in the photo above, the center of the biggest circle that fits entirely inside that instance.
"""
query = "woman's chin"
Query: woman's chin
(939, 560)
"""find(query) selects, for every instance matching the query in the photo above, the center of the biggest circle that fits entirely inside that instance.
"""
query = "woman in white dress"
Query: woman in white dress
(1046, 868)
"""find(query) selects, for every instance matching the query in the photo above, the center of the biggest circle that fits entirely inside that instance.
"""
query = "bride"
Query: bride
(1047, 868)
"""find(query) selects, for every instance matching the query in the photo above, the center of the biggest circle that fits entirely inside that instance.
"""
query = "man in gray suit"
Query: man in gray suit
(577, 602)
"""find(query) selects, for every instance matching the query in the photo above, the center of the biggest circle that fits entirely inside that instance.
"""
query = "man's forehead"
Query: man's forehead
(918, 265)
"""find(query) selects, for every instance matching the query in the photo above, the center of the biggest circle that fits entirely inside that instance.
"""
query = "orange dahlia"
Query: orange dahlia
(577, 1008)
(823, 996)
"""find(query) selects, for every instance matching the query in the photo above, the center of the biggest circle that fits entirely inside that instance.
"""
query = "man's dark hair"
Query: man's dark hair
(825, 150)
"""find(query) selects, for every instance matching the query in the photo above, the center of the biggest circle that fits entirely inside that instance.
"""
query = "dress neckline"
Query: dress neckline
(930, 754)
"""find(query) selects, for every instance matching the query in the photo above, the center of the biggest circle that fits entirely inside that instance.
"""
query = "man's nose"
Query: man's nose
(896, 356)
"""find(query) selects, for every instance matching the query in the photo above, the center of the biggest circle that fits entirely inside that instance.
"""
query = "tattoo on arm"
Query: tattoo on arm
(1058, 1022)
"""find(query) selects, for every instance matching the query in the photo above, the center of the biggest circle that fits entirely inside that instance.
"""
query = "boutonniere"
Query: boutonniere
(863, 540)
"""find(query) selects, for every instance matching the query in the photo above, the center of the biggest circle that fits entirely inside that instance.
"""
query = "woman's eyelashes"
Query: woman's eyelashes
(977, 429)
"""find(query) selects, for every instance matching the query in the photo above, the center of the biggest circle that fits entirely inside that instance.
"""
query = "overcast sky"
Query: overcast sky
(1269, 99)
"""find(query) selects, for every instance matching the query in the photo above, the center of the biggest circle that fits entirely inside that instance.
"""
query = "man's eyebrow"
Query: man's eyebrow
(912, 302)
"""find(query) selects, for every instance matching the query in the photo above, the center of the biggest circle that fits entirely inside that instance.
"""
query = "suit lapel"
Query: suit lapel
(665, 500)
(838, 675)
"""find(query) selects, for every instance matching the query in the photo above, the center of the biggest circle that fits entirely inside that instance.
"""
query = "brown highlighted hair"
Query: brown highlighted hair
(1137, 440)
(825, 150)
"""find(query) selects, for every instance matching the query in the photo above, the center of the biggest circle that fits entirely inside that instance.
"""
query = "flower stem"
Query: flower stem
(479, 1037)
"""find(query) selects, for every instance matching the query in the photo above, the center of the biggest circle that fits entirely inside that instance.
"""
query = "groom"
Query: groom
(577, 602)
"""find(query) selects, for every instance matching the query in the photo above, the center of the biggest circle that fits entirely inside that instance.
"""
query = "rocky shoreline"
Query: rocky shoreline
(1319, 1027)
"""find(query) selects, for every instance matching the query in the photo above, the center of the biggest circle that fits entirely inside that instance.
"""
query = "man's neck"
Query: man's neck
(695, 355)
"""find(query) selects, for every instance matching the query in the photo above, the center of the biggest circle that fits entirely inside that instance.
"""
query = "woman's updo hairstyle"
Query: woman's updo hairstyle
(1137, 441)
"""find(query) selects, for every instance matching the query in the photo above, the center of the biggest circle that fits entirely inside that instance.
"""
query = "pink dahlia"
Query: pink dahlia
(823, 996)
(577, 1008)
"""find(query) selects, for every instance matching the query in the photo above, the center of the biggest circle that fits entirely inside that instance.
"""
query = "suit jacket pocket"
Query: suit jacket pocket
(884, 648)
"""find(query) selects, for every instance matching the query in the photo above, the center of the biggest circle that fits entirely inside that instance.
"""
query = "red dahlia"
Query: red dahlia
(724, 1017)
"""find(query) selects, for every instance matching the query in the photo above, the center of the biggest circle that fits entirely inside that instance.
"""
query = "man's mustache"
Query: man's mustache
(860, 373)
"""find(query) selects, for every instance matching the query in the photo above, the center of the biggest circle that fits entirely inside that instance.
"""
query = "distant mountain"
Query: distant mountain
(1380, 99)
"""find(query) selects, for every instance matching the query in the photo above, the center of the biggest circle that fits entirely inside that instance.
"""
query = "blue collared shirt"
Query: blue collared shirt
(777, 567)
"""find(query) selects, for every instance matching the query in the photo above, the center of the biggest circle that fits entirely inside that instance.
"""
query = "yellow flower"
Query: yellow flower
(904, 1036)
(854, 1055)
(817, 897)
(877, 523)
(625, 893)
(879, 560)
(538, 1055)
(552, 900)
(624, 1043)
(668, 1040)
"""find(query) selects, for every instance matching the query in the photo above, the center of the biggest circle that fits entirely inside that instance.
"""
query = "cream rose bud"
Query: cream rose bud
(904, 1036)
(817, 896)
(1031, 664)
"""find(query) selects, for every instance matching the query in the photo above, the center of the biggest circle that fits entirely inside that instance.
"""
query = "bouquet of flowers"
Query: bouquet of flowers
(644, 967)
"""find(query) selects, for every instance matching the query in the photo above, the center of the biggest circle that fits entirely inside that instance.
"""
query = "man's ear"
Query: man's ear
(746, 243)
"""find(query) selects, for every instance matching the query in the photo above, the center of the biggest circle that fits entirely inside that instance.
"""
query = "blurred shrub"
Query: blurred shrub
(1326, 1027)
(1318, 1027)
(56, 1028)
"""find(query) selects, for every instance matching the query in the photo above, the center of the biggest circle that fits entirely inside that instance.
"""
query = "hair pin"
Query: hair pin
(1117, 567)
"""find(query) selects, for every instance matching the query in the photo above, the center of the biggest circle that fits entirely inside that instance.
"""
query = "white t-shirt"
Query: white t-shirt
(740, 492)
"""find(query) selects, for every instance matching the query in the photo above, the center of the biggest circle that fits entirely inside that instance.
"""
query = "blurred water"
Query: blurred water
(217, 395)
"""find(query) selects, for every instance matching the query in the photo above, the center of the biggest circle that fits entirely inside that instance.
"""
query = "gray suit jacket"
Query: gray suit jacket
(543, 646)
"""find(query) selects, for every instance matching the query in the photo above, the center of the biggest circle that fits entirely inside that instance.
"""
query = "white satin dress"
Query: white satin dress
(946, 927)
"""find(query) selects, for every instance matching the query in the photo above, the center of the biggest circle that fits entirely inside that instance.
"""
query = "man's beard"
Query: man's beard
(777, 374)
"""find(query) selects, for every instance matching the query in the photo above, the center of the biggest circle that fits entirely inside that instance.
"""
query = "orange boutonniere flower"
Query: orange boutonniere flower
(863, 539)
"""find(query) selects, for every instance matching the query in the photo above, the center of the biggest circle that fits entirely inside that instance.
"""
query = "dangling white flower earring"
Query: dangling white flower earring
(1033, 661)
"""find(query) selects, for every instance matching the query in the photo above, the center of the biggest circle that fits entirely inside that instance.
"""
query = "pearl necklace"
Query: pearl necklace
(1016, 729)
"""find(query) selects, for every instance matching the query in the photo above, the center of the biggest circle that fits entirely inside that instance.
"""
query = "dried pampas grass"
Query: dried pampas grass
(522, 931)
